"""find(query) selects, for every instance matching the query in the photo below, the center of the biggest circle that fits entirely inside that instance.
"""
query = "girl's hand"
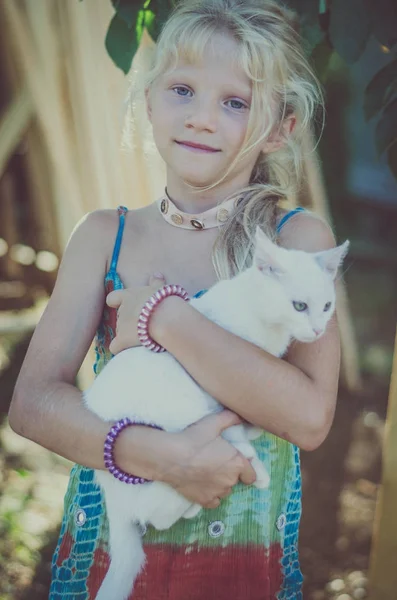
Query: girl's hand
(129, 303)
(207, 465)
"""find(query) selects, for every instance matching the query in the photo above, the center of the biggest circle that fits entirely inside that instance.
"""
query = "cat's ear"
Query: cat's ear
(330, 260)
(267, 255)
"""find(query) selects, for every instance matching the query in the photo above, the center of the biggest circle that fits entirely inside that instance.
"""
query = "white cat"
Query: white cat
(284, 295)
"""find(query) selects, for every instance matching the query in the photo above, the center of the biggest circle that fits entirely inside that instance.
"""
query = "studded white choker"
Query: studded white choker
(213, 217)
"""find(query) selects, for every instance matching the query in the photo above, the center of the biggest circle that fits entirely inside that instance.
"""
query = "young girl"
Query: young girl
(230, 97)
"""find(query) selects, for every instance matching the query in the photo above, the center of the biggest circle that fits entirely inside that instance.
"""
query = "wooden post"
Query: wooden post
(13, 125)
(383, 564)
(9, 226)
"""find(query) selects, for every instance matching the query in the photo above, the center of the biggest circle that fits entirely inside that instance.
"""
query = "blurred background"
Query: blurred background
(74, 137)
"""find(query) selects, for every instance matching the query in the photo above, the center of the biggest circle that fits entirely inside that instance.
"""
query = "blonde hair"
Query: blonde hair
(271, 55)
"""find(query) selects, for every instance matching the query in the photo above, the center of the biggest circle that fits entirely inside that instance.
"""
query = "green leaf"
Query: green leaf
(121, 43)
(161, 10)
(349, 28)
(128, 10)
(308, 9)
(386, 130)
(321, 58)
(150, 21)
(23, 472)
(310, 30)
(392, 159)
(380, 89)
(140, 24)
(383, 15)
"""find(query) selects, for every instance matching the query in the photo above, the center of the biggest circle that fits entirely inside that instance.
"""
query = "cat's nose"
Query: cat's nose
(318, 331)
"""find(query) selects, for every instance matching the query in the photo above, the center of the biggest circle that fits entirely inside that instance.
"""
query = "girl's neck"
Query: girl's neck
(199, 202)
(191, 201)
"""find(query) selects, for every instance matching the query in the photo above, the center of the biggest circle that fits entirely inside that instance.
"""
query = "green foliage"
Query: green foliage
(384, 21)
(125, 32)
(127, 10)
(321, 58)
(23, 472)
(392, 158)
(386, 130)
(329, 28)
(349, 34)
(380, 90)
(126, 28)
(161, 11)
(308, 12)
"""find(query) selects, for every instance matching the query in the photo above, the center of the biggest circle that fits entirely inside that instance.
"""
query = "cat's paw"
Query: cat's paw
(254, 432)
(262, 476)
(161, 522)
(192, 511)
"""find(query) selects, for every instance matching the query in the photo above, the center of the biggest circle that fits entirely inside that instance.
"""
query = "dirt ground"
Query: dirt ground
(340, 483)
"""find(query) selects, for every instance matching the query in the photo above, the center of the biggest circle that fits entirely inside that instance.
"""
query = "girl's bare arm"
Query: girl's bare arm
(294, 398)
(46, 406)
(48, 409)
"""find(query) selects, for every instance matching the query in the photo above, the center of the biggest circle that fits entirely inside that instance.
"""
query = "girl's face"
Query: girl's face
(199, 113)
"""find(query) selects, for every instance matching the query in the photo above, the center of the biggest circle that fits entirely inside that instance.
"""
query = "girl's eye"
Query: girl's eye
(237, 104)
(300, 306)
(181, 90)
(327, 307)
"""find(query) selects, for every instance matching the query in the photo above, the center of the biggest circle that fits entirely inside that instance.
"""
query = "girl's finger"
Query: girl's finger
(213, 504)
(216, 423)
(115, 298)
(117, 345)
(226, 492)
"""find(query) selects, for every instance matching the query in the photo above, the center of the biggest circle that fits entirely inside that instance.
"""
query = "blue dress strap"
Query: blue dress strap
(286, 217)
(122, 210)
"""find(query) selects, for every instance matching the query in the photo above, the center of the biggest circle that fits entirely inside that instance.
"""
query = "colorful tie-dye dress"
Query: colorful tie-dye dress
(247, 549)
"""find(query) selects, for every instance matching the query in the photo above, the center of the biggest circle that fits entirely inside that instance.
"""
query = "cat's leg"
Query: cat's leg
(192, 512)
(245, 431)
(253, 432)
(126, 554)
(262, 476)
(170, 507)
(237, 435)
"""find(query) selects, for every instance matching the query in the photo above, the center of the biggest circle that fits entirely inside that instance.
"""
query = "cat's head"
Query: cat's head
(302, 284)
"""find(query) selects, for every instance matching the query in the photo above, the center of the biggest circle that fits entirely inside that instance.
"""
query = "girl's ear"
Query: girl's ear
(276, 140)
(148, 104)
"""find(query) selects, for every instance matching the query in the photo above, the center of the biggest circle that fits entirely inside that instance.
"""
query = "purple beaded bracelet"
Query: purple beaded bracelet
(108, 450)
(147, 310)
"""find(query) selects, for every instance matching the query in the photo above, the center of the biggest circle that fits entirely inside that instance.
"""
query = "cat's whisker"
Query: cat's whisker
(342, 273)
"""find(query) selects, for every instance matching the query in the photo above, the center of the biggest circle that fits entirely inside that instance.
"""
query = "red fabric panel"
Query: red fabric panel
(231, 573)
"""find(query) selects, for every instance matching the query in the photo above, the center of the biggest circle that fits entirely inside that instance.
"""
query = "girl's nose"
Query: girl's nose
(201, 117)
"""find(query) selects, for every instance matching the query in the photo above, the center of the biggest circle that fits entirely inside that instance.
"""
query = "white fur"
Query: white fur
(255, 305)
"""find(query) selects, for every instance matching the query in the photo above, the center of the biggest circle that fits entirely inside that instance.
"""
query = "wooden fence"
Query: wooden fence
(383, 567)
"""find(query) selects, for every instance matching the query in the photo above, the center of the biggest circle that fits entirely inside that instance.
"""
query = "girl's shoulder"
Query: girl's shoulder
(305, 230)
(97, 222)
(104, 223)
(93, 237)
(110, 217)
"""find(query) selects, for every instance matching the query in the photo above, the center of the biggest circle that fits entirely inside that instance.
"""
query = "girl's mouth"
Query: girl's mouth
(197, 147)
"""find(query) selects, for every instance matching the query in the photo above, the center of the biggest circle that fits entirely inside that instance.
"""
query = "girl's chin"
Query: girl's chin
(197, 179)
(199, 175)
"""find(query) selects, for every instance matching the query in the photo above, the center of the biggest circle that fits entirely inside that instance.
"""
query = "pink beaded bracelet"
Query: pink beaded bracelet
(108, 451)
(147, 310)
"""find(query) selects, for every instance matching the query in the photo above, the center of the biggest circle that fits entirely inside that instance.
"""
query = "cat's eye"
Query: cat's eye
(327, 307)
(300, 306)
